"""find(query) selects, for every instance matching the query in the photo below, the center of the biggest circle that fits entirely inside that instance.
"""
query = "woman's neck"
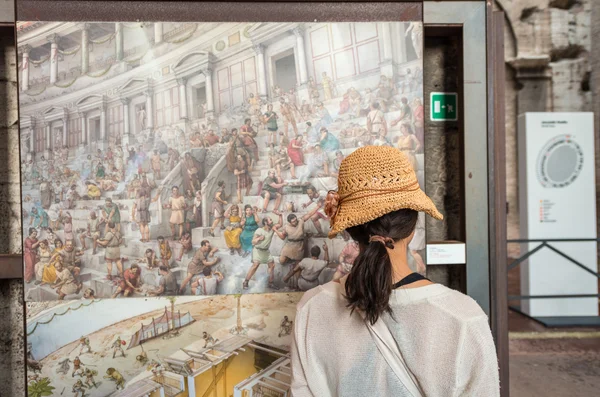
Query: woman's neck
(400, 269)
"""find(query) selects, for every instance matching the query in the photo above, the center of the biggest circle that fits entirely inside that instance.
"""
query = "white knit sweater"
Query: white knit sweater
(442, 334)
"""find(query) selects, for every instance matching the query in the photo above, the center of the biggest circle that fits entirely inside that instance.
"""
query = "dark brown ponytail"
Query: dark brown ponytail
(369, 284)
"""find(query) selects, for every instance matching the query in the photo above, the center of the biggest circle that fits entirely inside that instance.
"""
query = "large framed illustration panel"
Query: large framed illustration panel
(157, 155)
(172, 82)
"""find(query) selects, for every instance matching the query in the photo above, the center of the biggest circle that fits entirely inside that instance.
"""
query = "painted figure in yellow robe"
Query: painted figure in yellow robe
(49, 273)
(43, 255)
(93, 191)
(233, 231)
(165, 251)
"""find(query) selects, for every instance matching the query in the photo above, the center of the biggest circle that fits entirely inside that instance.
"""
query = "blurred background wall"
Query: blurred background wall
(549, 59)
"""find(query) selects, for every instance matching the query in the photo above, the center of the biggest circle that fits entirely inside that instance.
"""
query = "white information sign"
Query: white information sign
(557, 197)
(446, 253)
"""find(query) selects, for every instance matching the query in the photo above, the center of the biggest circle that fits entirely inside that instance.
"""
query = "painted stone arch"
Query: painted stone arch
(192, 58)
(134, 83)
(51, 109)
(89, 99)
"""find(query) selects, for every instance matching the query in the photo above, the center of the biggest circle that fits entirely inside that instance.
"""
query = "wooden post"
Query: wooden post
(225, 376)
(214, 372)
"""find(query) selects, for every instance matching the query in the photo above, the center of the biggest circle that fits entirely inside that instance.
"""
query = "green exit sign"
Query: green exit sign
(443, 106)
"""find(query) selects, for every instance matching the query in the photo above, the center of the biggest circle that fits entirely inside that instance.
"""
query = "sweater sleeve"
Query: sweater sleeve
(299, 385)
(477, 363)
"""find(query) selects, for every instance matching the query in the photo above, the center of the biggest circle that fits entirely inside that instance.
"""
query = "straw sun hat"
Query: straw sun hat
(374, 181)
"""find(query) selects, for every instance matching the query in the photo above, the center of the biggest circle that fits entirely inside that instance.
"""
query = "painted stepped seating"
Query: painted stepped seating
(93, 272)
(128, 226)
(236, 270)
(259, 173)
(335, 245)
(93, 269)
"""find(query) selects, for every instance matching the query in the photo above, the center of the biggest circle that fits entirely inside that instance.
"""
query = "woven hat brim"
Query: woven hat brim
(357, 212)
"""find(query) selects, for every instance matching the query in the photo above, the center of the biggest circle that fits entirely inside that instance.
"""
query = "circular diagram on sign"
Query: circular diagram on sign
(559, 162)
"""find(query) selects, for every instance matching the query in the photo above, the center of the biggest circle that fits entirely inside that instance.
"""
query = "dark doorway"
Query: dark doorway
(57, 136)
(285, 72)
(94, 130)
(198, 101)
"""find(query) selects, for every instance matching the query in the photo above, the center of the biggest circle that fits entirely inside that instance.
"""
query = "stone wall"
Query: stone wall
(12, 355)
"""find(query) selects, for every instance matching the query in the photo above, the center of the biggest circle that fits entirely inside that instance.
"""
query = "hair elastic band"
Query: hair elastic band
(387, 241)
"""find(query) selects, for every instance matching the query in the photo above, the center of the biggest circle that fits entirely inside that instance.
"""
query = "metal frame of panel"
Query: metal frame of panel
(214, 11)
(497, 192)
(471, 16)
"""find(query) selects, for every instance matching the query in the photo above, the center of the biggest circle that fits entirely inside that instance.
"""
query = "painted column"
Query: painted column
(400, 41)
(182, 98)
(125, 140)
(299, 33)
(149, 109)
(210, 104)
(85, 48)
(53, 39)
(65, 137)
(88, 132)
(158, 33)
(48, 140)
(193, 113)
(387, 63)
(119, 40)
(262, 71)
(82, 119)
(387, 40)
(32, 136)
(103, 122)
(25, 67)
